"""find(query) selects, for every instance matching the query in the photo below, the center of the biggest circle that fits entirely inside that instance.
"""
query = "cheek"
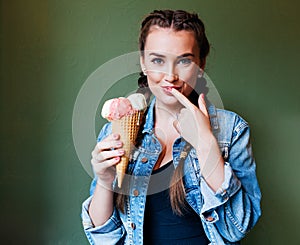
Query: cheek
(189, 80)
(154, 77)
(187, 90)
(189, 75)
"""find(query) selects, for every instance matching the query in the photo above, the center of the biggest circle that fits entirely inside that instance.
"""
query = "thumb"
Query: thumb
(202, 104)
(177, 126)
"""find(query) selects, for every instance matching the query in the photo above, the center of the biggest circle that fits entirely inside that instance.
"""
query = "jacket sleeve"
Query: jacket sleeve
(112, 231)
(235, 207)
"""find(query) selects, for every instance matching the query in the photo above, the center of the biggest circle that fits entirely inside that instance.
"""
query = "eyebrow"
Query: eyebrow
(158, 55)
(186, 55)
(180, 56)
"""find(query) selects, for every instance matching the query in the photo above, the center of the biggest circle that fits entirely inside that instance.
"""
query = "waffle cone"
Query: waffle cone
(127, 127)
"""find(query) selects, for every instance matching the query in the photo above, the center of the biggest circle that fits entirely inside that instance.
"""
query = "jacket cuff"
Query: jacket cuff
(110, 225)
(228, 188)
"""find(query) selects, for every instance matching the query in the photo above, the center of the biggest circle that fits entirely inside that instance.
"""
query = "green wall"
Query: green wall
(48, 50)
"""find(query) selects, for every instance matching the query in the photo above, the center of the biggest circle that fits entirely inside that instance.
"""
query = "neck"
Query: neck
(164, 119)
(166, 113)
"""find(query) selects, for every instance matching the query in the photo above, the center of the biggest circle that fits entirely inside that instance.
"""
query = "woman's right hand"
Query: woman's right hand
(105, 156)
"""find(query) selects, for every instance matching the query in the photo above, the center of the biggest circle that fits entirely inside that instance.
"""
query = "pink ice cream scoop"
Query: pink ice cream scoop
(117, 108)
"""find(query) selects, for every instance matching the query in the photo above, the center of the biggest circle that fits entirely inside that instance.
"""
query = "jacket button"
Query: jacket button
(135, 193)
(133, 226)
(144, 159)
(209, 219)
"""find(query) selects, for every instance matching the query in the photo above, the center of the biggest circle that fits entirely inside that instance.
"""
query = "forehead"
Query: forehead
(169, 41)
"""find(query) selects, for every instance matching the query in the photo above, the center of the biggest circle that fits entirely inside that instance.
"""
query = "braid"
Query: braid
(143, 87)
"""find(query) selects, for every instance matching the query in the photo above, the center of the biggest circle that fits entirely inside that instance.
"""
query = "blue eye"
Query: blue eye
(157, 61)
(185, 61)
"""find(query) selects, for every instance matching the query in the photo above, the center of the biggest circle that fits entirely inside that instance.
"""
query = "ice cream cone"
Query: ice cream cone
(127, 127)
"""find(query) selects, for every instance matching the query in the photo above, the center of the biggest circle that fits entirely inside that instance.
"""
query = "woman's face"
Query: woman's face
(171, 60)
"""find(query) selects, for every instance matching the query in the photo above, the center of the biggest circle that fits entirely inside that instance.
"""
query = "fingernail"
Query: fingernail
(121, 151)
(119, 144)
(115, 136)
(116, 158)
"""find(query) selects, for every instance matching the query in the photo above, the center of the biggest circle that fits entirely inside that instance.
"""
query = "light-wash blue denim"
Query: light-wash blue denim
(227, 215)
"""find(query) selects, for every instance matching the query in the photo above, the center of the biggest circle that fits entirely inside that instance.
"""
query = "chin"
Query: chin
(168, 101)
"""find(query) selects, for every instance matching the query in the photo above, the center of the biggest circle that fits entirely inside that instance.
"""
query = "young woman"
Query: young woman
(202, 153)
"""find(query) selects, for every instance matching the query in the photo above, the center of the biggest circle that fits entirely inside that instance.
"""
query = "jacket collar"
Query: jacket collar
(149, 122)
(212, 112)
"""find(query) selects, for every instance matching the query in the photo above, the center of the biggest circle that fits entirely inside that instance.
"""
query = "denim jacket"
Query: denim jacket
(227, 214)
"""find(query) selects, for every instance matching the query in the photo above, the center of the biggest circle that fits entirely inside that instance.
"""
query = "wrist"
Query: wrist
(207, 144)
(208, 151)
(104, 184)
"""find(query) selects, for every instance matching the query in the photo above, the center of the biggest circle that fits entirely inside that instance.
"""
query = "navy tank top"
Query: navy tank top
(161, 224)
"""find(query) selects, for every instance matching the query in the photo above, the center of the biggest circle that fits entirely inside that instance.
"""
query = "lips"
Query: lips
(169, 88)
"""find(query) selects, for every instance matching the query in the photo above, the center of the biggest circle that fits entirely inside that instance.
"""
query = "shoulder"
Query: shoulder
(227, 117)
(226, 124)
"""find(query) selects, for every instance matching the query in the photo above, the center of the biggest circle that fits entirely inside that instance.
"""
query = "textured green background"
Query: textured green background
(49, 48)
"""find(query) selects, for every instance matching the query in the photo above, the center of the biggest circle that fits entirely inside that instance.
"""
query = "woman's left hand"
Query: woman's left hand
(194, 126)
(193, 122)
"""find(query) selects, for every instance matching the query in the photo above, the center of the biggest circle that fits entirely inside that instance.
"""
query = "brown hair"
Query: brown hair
(176, 20)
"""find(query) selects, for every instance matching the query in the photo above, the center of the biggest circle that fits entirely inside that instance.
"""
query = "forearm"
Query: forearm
(211, 162)
(101, 207)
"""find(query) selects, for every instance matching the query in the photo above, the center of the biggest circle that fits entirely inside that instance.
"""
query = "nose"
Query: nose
(171, 75)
